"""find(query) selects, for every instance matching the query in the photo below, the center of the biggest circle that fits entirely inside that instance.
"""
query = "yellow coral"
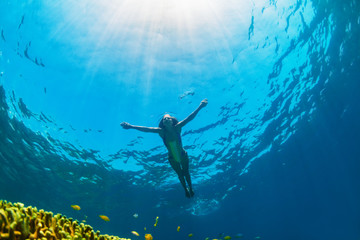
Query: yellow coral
(18, 222)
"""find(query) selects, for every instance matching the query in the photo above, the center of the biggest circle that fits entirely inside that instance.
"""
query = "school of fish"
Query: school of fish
(148, 236)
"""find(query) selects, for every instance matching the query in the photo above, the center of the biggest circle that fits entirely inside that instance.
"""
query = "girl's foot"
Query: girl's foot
(191, 192)
(187, 194)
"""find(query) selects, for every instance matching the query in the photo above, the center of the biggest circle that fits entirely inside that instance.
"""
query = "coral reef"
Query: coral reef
(21, 223)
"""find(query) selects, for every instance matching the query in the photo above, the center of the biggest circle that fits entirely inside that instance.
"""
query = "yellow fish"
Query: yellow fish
(135, 233)
(144, 228)
(190, 235)
(227, 238)
(156, 221)
(76, 207)
(178, 228)
(148, 236)
(105, 218)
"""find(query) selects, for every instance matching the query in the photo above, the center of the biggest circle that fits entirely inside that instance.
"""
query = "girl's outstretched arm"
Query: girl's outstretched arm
(126, 125)
(193, 114)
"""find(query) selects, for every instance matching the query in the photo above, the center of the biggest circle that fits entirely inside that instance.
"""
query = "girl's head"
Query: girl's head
(167, 121)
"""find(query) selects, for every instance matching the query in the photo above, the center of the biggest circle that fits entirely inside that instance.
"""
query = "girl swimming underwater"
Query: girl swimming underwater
(170, 131)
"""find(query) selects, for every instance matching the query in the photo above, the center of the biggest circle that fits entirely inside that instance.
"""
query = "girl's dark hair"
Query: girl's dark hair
(174, 121)
(161, 125)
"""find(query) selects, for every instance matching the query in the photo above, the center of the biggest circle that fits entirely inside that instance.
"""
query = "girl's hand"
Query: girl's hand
(203, 103)
(125, 125)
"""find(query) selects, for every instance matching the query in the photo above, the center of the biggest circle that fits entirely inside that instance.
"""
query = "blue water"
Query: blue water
(274, 155)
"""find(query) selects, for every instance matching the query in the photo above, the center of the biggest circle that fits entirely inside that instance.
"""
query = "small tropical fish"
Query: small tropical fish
(178, 228)
(84, 221)
(148, 236)
(136, 215)
(76, 207)
(156, 221)
(105, 218)
(187, 93)
(190, 235)
(135, 233)
(227, 238)
(144, 228)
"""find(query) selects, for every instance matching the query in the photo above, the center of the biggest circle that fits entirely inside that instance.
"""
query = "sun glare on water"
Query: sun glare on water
(156, 36)
(165, 13)
(122, 20)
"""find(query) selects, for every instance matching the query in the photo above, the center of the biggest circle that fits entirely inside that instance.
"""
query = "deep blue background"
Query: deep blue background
(305, 187)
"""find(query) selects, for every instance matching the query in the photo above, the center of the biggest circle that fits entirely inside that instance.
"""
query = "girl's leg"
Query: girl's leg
(176, 166)
(185, 169)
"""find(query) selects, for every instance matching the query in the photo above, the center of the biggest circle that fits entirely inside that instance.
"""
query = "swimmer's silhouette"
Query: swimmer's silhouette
(169, 130)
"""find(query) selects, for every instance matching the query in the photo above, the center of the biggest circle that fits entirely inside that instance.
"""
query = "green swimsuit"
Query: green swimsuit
(175, 151)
